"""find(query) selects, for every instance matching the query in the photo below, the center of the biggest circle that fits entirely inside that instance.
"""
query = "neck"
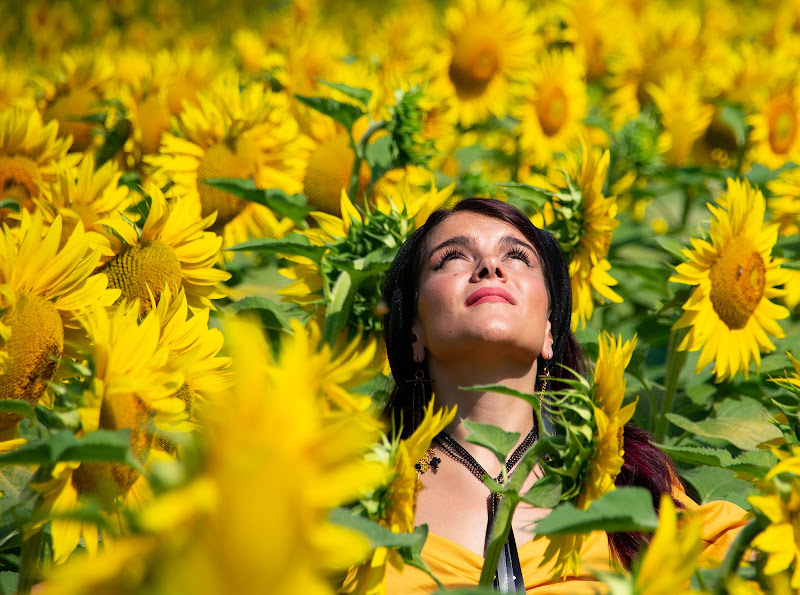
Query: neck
(512, 414)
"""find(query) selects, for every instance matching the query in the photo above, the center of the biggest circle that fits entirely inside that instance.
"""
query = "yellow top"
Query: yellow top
(456, 566)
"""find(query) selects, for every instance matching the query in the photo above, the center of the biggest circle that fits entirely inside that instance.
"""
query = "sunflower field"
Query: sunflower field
(199, 201)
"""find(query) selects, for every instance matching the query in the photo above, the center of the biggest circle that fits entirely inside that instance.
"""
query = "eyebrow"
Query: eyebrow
(467, 241)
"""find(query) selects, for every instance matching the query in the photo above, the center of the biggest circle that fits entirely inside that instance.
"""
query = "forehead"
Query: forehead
(475, 225)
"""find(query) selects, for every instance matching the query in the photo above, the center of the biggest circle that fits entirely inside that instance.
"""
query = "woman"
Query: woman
(480, 296)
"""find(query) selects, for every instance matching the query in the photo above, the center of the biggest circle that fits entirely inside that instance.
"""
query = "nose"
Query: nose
(489, 267)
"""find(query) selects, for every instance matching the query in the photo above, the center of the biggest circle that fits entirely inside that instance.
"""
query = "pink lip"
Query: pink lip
(490, 294)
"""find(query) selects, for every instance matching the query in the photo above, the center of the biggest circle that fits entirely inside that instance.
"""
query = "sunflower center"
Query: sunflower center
(782, 125)
(153, 120)
(738, 279)
(68, 111)
(221, 161)
(137, 268)
(328, 173)
(476, 59)
(552, 110)
(35, 346)
(109, 480)
(18, 177)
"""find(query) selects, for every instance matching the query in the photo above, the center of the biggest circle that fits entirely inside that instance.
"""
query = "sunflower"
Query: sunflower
(775, 136)
(233, 133)
(730, 313)
(588, 265)
(286, 543)
(29, 152)
(14, 89)
(398, 500)
(401, 46)
(684, 116)
(665, 41)
(197, 346)
(89, 195)
(133, 387)
(606, 458)
(552, 111)
(42, 286)
(779, 541)
(75, 92)
(328, 372)
(173, 250)
(489, 49)
(671, 558)
(592, 26)
(784, 209)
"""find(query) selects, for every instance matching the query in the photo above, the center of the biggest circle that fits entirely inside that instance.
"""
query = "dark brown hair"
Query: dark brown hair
(645, 465)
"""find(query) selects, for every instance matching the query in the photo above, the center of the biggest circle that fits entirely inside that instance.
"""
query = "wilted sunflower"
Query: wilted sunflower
(133, 387)
(75, 92)
(490, 46)
(551, 112)
(41, 287)
(730, 313)
(174, 249)
(29, 153)
(233, 133)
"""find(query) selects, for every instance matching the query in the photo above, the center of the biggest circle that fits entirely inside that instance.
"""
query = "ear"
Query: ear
(547, 346)
(418, 342)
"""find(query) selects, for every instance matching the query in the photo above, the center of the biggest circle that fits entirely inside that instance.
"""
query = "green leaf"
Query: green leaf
(714, 483)
(19, 407)
(344, 113)
(495, 439)
(13, 481)
(536, 197)
(378, 535)
(698, 455)
(11, 204)
(286, 205)
(734, 117)
(115, 140)
(55, 419)
(743, 422)
(623, 509)
(271, 314)
(292, 245)
(672, 246)
(361, 95)
(545, 493)
(379, 157)
(754, 463)
(62, 445)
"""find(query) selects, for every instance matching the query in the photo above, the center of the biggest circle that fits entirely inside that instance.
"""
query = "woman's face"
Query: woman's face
(481, 293)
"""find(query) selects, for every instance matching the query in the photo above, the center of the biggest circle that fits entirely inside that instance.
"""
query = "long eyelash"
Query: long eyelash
(446, 255)
(521, 254)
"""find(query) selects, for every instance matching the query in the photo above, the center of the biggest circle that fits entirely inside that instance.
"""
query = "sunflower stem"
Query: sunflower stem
(29, 562)
(675, 362)
(361, 155)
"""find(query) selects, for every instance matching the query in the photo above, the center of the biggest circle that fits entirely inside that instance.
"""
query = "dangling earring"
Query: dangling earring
(419, 397)
(545, 378)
